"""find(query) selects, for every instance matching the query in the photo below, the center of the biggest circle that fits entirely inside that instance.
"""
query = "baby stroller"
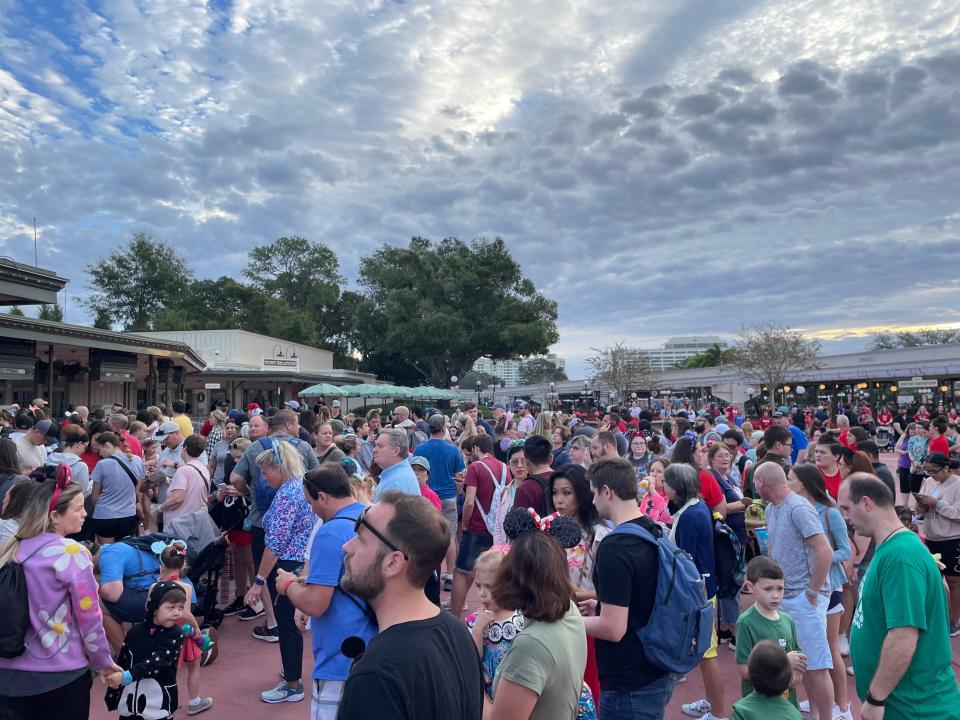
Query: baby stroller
(206, 556)
(884, 438)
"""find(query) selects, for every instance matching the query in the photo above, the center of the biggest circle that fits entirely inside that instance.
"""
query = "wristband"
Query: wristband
(260, 580)
(286, 585)
(127, 677)
(871, 700)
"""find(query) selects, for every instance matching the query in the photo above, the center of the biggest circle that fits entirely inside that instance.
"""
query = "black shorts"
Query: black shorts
(116, 528)
(916, 481)
(949, 554)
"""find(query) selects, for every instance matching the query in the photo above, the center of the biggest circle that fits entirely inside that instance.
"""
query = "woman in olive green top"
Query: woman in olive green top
(541, 675)
(770, 674)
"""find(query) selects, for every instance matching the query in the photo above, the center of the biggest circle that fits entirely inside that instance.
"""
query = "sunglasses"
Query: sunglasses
(362, 520)
(235, 446)
(276, 451)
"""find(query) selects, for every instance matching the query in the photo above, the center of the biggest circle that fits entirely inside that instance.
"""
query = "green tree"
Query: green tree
(16, 311)
(135, 283)
(305, 276)
(469, 380)
(769, 354)
(540, 371)
(713, 356)
(225, 303)
(102, 320)
(439, 307)
(50, 312)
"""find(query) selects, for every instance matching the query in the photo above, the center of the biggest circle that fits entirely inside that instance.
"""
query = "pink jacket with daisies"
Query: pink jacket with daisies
(66, 627)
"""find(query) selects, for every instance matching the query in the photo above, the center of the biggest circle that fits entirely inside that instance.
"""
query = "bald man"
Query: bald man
(799, 545)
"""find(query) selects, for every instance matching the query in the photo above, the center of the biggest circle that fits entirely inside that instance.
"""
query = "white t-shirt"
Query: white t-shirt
(30, 456)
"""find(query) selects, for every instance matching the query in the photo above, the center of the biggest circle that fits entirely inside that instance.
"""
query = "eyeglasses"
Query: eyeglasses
(362, 520)
(516, 462)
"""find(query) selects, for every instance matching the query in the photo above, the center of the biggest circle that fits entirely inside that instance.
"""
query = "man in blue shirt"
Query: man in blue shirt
(446, 460)
(334, 615)
(800, 440)
(390, 453)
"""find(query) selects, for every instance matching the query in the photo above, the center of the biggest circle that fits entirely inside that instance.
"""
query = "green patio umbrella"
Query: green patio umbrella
(322, 390)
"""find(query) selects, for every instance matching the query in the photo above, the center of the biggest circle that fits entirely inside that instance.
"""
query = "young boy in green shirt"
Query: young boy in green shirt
(764, 621)
(771, 674)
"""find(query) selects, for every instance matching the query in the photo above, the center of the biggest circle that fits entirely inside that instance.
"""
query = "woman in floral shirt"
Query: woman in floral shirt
(569, 494)
(65, 638)
(287, 525)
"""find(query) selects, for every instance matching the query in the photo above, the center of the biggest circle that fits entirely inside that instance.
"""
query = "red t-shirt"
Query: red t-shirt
(939, 444)
(530, 494)
(884, 418)
(710, 489)
(207, 427)
(432, 497)
(832, 482)
(133, 445)
(763, 422)
(90, 459)
(479, 478)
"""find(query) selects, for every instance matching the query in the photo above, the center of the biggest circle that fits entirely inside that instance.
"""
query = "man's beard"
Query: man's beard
(367, 584)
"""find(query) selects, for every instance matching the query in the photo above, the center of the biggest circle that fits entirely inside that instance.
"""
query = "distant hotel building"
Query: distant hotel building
(677, 350)
(509, 370)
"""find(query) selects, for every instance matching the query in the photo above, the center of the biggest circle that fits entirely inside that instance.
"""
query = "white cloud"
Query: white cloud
(658, 169)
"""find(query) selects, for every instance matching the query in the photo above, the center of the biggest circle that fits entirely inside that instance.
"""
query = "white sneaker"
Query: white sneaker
(844, 645)
(711, 716)
(697, 709)
(804, 706)
(839, 714)
(850, 671)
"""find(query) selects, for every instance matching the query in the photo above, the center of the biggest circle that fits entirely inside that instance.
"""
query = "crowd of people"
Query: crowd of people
(368, 531)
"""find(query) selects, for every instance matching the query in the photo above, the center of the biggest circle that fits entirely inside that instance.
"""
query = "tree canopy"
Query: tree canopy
(539, 371)
(50, 312)
(441, 306)
(713, 356)
(132, 286)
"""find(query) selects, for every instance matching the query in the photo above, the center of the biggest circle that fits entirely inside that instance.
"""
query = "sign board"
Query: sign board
(278, 363)
(116, 375)
(211, 386)
(927, 384)
(17, 373)
(904, 399)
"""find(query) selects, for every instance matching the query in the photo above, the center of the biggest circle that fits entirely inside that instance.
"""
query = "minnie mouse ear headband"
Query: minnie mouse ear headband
(159, 546)
(521, 521)
(157, 592)
(63, 479)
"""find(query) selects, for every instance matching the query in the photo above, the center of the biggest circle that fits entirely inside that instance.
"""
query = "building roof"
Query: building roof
(27, 285)
(46, 331)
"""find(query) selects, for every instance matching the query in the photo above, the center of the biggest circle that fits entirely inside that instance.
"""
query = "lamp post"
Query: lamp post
(278, 350)
(586, 395)
(478, 393)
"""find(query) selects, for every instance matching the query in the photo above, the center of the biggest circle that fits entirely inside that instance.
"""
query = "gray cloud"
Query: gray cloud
(613, 179)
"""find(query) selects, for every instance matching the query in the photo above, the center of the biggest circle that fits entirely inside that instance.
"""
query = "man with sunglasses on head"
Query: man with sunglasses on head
(423, 663)
(335, 616)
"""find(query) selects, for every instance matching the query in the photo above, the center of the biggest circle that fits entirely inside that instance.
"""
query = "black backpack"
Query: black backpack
(15, 621)
(728, 558)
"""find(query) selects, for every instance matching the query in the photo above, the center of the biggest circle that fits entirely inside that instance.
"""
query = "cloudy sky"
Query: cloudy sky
(659, 168)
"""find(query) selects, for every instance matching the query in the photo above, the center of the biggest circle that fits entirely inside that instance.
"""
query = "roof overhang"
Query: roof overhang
(45, 331)
(27, 285)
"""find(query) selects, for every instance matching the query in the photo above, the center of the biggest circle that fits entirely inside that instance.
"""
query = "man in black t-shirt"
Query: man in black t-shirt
(625, 596)
(423, 663)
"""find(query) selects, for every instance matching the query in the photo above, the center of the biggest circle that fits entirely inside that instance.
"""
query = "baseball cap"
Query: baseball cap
(50, 429)
(436, 422)
(779, 414)
(421, 461)
(252, 406)
(408, 423)
(234, 413)
(292, 404)
(167, 428)
(39, 402)
(498, 406)
(335, 403)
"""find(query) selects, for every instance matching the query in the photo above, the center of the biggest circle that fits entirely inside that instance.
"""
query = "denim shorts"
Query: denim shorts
(647, 703)
(471, 545)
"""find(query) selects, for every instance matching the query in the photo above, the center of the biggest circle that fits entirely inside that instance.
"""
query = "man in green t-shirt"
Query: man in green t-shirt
(899, 643)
